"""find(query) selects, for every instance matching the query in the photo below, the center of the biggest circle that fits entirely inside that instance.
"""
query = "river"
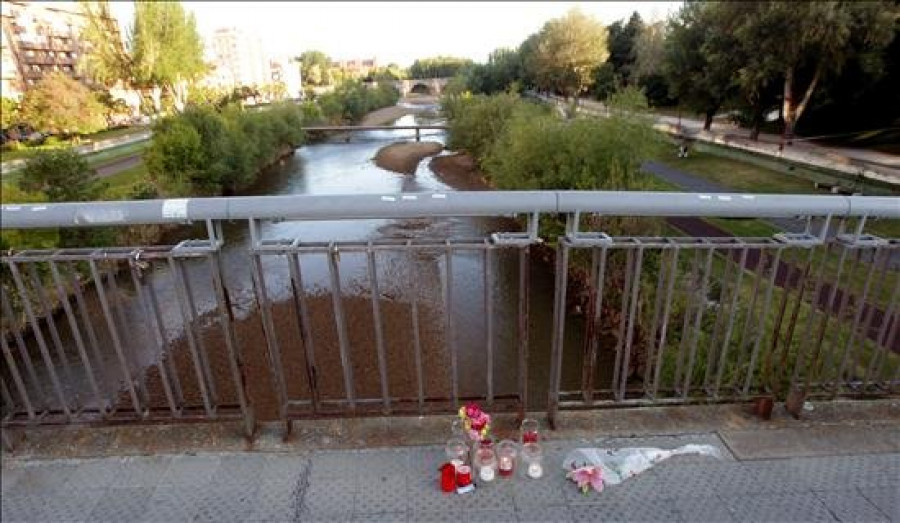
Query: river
(346, 167)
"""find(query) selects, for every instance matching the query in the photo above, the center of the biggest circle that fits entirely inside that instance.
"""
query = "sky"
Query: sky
(396, 32)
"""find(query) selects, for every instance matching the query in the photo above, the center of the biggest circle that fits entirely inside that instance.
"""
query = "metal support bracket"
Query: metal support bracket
(860, 241)
(584, 239)
(519, 239)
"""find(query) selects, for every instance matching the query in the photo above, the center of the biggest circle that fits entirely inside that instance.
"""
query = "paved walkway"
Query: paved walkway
(401, 484)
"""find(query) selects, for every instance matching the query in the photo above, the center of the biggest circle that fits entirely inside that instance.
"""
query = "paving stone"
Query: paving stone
(93, 474)
(226, 504)
(850, 505)
(72, 506)
(703, 508)
(661, 509)
(239, 469)
(22, 507)
(190, 470)
(778, 507)
(491, 516)
(383, 517)
(441, 516)
(172, 504)
(44, 479)
(887, 499)
(330, 465)
(11, 476)
(329, 498)
(143, 471)
(559, 513)
(122, 504)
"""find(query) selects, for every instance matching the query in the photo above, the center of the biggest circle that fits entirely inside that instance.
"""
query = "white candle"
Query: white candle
(486, 473)
(535, 470)
(506, 463)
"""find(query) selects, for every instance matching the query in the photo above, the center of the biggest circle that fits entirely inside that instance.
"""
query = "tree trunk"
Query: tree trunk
(788, 106)
(707, 122)
(156, 96)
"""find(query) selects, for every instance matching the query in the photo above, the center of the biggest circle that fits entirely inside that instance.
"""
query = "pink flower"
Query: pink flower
(473, 410)
(586, 477)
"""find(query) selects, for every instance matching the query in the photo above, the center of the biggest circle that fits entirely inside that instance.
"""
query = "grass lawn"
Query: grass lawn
(27, 151)
(120, 185)
(741, 176)
(116, 153)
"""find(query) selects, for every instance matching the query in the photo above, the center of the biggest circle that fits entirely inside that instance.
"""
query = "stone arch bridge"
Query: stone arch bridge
(431, 86)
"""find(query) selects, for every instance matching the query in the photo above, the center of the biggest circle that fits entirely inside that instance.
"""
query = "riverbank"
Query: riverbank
(405, 106)
(460, 172)
(404, 157)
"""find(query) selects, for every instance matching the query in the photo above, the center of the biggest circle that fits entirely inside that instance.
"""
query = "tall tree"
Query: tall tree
(701, 60)
(622, 43)
(315, 68)
(568, 50)
(163, 52)
(798, 44)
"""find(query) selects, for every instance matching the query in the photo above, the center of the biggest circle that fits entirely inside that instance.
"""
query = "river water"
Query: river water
(345, 167)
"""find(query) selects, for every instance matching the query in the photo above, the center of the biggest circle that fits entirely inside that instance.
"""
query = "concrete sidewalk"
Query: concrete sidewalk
(401, 484)
(841, 462)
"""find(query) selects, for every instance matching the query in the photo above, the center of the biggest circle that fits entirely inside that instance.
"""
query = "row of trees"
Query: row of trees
(438, 67)
(350, 101)
(839, 62)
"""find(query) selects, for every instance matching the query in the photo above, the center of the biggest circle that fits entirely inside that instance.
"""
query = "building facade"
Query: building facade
(356, 68)
(286, 71)
(39, 38)
(237, 59)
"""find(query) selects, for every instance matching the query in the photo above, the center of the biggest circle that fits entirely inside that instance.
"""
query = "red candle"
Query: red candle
(463, 476)
(530, 437)
(506, 466)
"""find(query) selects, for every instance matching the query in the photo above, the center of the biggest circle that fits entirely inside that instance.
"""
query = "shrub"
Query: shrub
(62, 175)
(59, 104)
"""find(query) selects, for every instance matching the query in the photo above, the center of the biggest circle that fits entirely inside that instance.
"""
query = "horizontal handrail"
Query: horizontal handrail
(374, 127)
(442, 204)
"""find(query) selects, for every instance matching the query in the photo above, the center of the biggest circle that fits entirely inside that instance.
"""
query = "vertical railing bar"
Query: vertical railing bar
(189, 335)
(758, 335)
(842, 308)
(523, 334)
(732, 313)
(17, 378)
(867, 322)
(340, 322)
(664, 324)
(795, 313)
(39, 337)
(632, 312)
(620, 337)
(265, 311)
(447, 293)
(698, 319)
(691, 293)
(726, 290)
(160, 341)
(829, 308)
(892, 338)
(74, 280)
(414, 313)
(857, 316)
(23, 349)
(301, 307)
(599, 276)
(5, 393)
(76, 334)
(235, 355)
(802, 355)
(559, 327)
(743, 343)
(589, 331)
(768, 363)
(654, 324)
(379, 331)
(195, 320)
(489, 320)
(47, 310)
(890, 316)
(115, 303)
(167, 359)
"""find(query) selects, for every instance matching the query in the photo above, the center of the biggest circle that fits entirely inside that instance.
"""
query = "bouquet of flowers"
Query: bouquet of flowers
(476, 422)
(587, 477)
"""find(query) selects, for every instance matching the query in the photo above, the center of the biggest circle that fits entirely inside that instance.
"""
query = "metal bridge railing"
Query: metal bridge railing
(287, 326)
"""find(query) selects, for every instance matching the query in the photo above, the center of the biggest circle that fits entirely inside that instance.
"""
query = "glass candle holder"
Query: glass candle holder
(507, 452)
(458, 429)
(457, 449)
(532, 460)
(486, 463)
(529, 430)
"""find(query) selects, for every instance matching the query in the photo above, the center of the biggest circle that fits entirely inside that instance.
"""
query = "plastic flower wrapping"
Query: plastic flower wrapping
(476, 422)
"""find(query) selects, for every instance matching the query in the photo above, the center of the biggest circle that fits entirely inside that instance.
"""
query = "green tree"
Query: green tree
(701, 60)
(163, 53)
(59, 104)
(568, 50)
(438, 67)
(315, 68)
(797, 44)
(9, 112)
(623, 40)
(62, 175)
